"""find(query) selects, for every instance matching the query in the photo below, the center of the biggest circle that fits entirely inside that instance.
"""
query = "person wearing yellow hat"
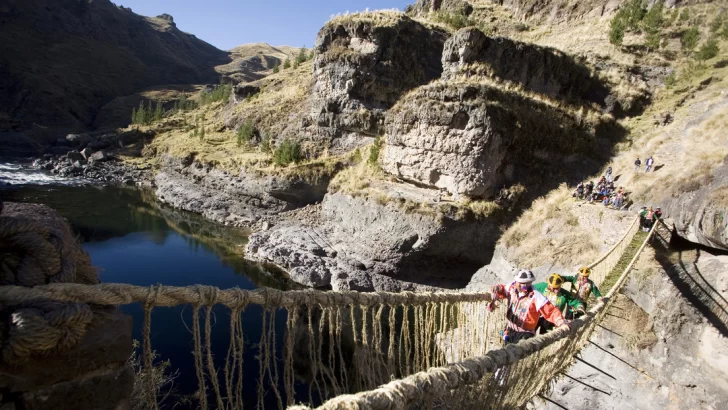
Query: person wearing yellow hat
(560, 298)
(582, 286)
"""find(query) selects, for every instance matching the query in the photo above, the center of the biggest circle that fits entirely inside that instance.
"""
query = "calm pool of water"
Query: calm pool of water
(134, 239)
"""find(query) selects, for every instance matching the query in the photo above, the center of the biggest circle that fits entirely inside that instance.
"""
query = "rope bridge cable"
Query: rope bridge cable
(337, 342)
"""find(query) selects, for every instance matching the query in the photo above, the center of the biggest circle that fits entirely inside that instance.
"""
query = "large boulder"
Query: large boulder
(470, 138)
(362, 243)
(544, 70)
(364, 63)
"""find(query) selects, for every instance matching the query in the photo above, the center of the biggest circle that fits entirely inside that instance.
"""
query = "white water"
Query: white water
(18, 174)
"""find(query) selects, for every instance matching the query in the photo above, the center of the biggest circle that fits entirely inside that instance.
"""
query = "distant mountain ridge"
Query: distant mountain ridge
(61, 60)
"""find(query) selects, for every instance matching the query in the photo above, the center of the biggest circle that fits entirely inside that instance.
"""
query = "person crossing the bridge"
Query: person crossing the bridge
(564, 301)
(525, 306)
(582, 286)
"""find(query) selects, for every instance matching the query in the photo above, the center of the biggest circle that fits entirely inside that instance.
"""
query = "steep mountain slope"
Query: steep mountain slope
(61, 60)
(255, 60)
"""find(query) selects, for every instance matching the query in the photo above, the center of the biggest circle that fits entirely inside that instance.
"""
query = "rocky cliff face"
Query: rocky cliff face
(701, 215)
(422, 7)
(364, 63)
(359, 243)
(544, 70)
(60, 61)
(238, 200)
(460, 136)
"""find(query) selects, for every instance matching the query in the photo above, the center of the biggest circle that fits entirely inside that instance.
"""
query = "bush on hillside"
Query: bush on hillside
(708, 50)
(690, 39)
(456, 19)
(245, 133)
(289, 151)
(374, 151)
(616, 32)
(221, 93)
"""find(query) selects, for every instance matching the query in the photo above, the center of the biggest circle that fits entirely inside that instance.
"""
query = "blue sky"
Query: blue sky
(229, 23)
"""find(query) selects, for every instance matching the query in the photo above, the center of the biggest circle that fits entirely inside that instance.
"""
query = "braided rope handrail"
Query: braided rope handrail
(166, 296)
(614, 247)
(398, 394)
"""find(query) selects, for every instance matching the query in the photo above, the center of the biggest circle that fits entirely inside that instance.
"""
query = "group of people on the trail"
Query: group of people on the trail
(541, 306)
(603, 191)
(649, 163)
(648, 217)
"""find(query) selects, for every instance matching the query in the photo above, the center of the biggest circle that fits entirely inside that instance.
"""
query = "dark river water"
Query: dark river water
(133, 239)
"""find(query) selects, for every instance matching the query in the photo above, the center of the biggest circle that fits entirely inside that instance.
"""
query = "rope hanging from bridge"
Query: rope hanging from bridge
(345, 342)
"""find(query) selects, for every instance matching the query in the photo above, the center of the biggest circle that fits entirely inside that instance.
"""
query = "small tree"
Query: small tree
(616, 33)
(374, 151)
(634, 13)
(654, 19)
(708, 50)
(158, 112)
(276, 69)
(301, 58)
(133, 115)
(289, 151)
(265, 143)
(690, 39)
(245, 133)
(312, 55)
(717, 23)
(287, 64)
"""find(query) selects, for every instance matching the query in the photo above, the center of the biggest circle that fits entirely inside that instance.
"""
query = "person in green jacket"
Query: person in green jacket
(562, 299)
(582, 286)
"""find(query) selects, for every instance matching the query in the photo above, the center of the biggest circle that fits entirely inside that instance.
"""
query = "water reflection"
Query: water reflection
(98, 214)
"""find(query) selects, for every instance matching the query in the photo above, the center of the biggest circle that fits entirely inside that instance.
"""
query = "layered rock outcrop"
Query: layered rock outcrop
(544, 70)
(362, 244)
(238, 200)
(470, 138)
(423, 7)
(364, 63)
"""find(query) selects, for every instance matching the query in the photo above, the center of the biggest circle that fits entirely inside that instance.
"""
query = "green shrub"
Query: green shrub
(289, 151)
(708, 50)
(616, 32)
(685, 15)
(301, 57)
(287, 64)
(717, 23)
(245, 133)
(633, 13)
(184, 104)
(670, 80)
(456, 19)
(221, 93)
(276, 69)
(265, 143)
(690, 39)
(374, 151)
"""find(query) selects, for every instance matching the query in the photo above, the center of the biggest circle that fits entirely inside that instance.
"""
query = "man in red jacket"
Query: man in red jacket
(525, 306)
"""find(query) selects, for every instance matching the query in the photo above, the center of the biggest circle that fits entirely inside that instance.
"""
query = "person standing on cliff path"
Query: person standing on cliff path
(582, 286)
(525, 306)
(649, 163)
(637, 164)
(609, 175)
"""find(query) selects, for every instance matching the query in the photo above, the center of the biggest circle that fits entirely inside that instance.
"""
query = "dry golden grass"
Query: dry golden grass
(549, 232)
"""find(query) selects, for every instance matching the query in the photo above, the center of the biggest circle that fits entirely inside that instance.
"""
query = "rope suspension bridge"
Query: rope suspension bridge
(349, 350)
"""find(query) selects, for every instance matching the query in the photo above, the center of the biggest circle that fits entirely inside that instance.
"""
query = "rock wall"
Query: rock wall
(423, 7)
(701, 216)
(364, 62)
(539, 69)
(238, 200)
(471, 139)
(362, 244)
